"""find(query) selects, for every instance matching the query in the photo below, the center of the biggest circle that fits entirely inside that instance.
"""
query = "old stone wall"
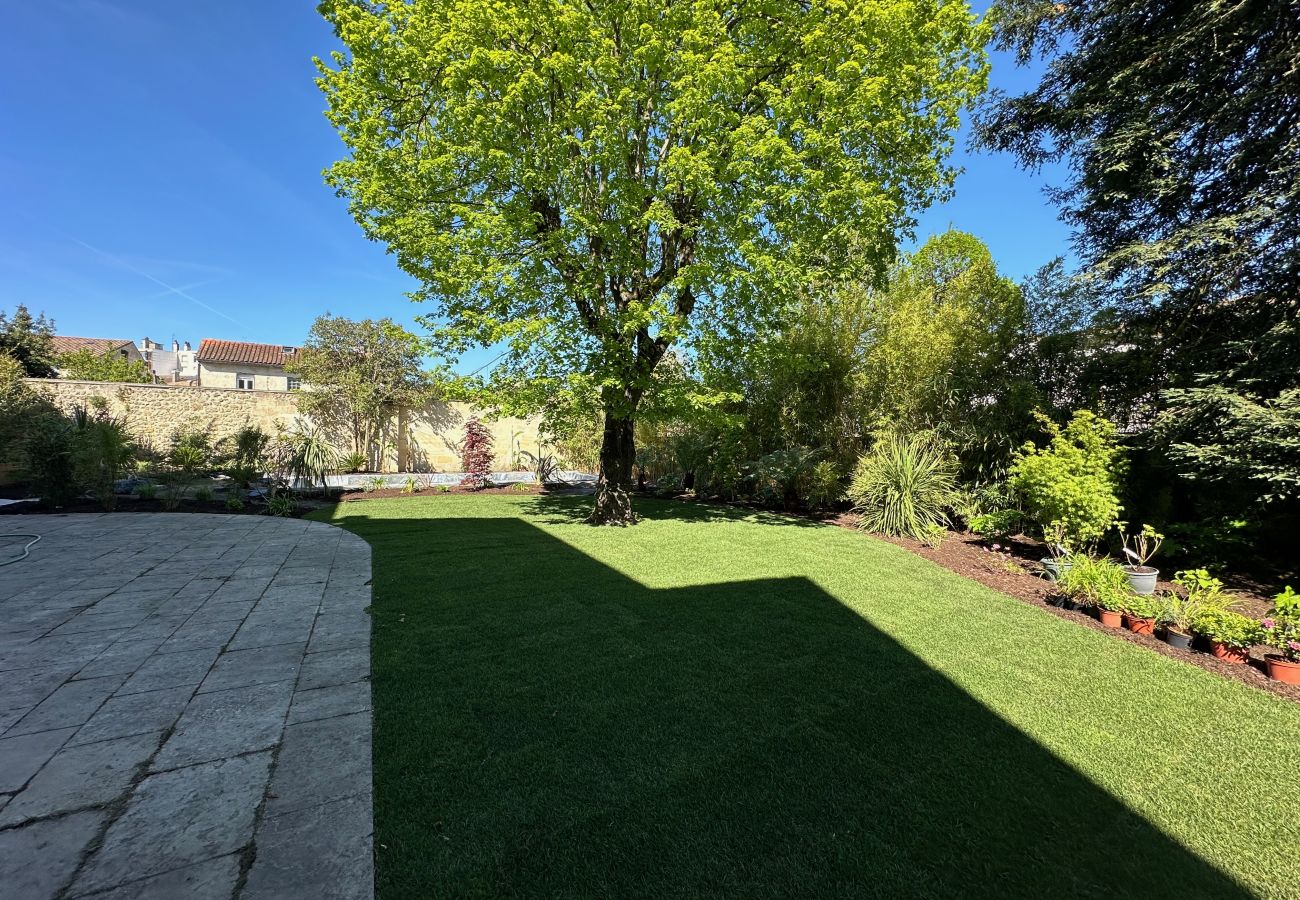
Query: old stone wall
(424, 440)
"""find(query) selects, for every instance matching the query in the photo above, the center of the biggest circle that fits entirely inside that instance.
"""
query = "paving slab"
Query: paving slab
(185, 710)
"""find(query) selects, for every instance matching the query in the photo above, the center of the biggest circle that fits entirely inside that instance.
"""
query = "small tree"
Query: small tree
(86, 365)
(1070, 485)
(476, 454)
(357, 375)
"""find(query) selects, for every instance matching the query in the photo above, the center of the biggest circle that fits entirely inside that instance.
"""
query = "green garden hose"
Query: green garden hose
(26, 549)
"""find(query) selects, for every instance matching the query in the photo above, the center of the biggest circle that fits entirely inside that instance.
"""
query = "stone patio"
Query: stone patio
(185, 709)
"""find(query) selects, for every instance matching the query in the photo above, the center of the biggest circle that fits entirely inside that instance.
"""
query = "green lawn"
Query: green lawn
(719, 704)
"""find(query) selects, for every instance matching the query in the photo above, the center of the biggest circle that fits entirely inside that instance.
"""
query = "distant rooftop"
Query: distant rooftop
(212, 350)
(99, 346)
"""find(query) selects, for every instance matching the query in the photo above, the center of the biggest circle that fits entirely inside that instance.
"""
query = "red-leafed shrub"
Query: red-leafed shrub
(476, 454)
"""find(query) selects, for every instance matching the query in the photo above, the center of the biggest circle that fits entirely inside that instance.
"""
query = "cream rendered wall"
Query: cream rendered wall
(223, 375)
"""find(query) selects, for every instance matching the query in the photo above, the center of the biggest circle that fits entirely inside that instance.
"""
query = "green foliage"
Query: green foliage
(306, 454)
(29, 341)
(781, 477)
(101, 451)
(21, 410)
(48, 465)
(354, 462)
(1073, 481)
(146, 491)
(412, 485)
(626, 178)
(903, 485)
(376, 483)
(1147, 606)
(246, 451)
(234, 504)
(359, 374)
(668, 485)
(111, 365)
(1232, 629)
(1001, 523)
(1177, 612)
(1241, 441)
(1281, 627)
(1096, 581)
(282, 504)
(824, 486)
(203, 495)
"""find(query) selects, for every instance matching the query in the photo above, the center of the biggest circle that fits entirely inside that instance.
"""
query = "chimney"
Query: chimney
(187, 345)
(175, 345)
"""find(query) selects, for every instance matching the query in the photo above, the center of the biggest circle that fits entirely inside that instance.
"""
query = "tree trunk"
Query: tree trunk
(617, 456)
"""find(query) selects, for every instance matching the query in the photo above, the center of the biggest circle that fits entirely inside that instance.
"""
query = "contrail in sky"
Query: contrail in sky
(158, 281)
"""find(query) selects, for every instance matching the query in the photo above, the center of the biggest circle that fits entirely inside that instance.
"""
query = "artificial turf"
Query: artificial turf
(719, 704)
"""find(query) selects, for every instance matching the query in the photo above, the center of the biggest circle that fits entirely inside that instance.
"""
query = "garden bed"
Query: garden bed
(1010, 570)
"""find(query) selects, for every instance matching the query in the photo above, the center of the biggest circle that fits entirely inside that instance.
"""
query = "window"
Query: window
(294, 382)
(244, 382)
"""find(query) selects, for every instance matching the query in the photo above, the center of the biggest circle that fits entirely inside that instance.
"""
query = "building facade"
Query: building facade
(244, 366)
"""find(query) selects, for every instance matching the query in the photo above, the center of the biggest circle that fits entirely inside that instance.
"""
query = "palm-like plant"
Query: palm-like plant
(903, 485)
(309, 456)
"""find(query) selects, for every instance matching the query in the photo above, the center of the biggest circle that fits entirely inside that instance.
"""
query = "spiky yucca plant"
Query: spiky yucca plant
(903, 485)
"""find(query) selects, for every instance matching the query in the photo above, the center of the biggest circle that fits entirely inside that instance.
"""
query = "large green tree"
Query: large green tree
(590, 182)
(1179, 124)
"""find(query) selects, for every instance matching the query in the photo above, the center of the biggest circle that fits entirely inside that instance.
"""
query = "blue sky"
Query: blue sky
(160, 175)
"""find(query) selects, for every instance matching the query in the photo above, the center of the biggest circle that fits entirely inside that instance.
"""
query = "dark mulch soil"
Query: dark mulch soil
(971, 556)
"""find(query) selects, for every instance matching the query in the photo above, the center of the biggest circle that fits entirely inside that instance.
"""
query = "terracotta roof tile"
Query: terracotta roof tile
(212, 350)
(99, 346)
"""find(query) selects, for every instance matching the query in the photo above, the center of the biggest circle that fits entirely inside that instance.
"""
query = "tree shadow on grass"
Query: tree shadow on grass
(546, 726)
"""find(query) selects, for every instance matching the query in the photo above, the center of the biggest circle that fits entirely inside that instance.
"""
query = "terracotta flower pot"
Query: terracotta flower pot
(1284, 670)
(1138, 625)
(1231, 655)
(1110, 618)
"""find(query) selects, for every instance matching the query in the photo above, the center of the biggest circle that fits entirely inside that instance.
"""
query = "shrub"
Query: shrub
(412, 485)
(1002, 523)
(102, 449)
(234, 504)
(306, 454)
(146, 491)
(354, 462)
(1281, 628)
(476, 454)
(1177, 613)
(668, 485)
(1143, 607)
(825, 486)
(375, 483)
(203, 495)
(1072, 482)
(49, 461)
(780, 477)
(248, 448)
(903, 485)
(1096, 582)
(1229, 628)
(282, 504)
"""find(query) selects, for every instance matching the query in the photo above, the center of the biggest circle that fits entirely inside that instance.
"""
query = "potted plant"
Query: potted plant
(1282, 630)
(1060, 558)
(1231, 634)
(1139, 549)
(1140, 612)
(1098, 583)
(1175, 618)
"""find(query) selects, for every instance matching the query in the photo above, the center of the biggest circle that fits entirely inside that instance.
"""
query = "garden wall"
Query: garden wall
(423, 440)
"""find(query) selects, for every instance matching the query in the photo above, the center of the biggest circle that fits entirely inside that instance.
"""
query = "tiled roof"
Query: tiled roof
(99, 346)
(212, 350)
